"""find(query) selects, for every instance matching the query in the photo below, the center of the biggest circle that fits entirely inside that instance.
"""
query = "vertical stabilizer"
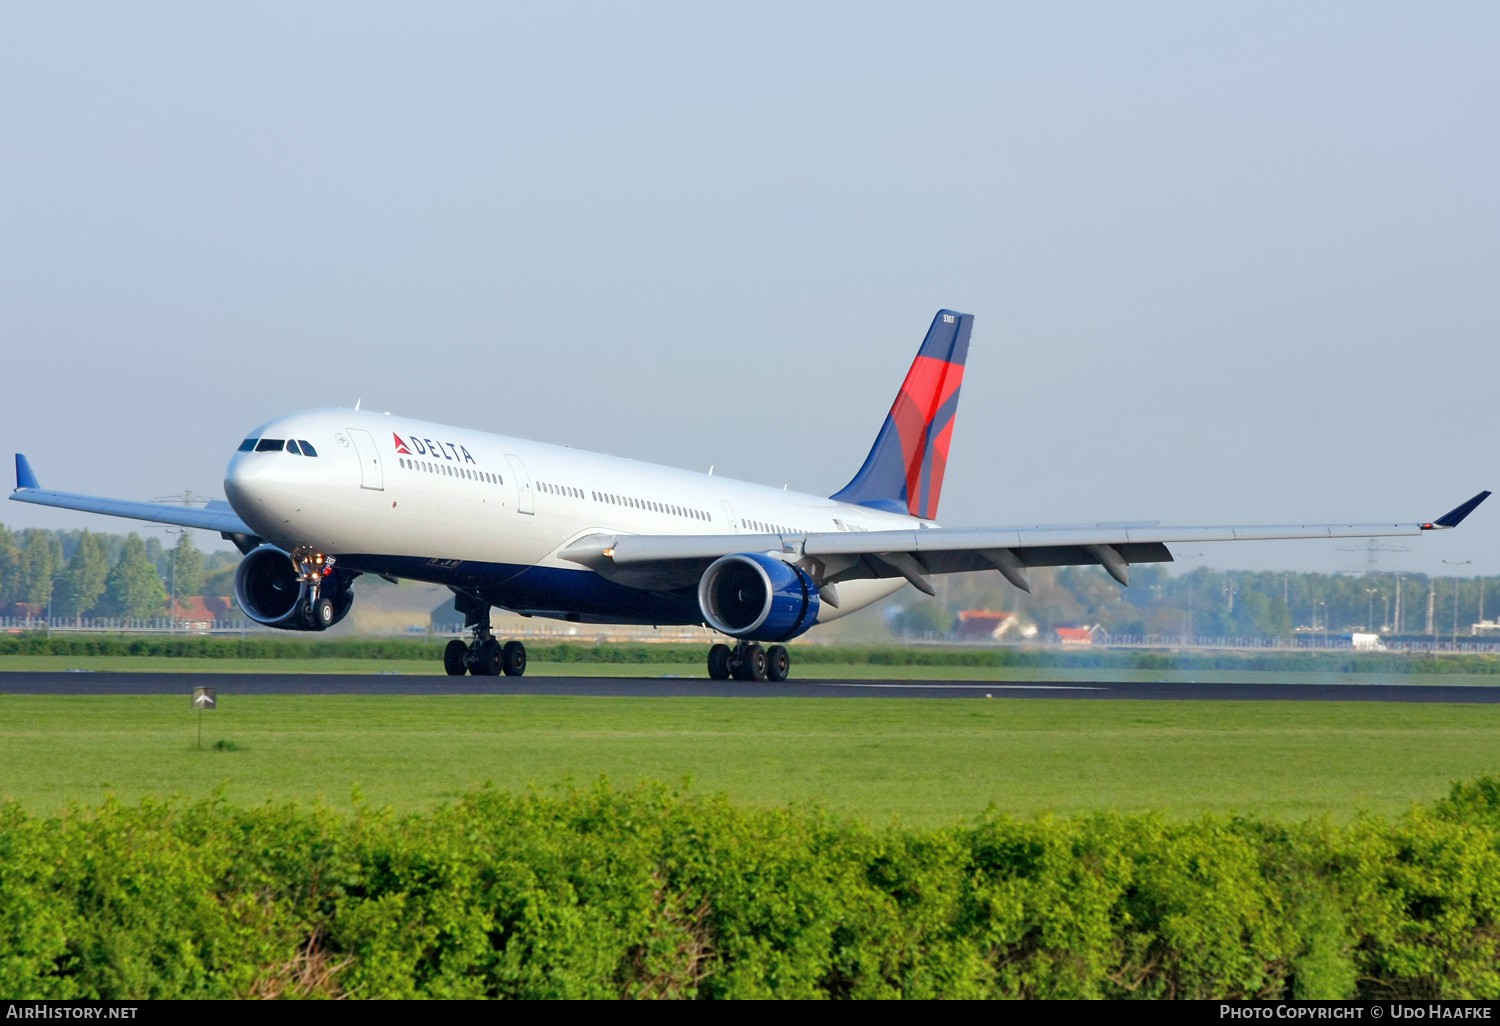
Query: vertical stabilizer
(904, 471)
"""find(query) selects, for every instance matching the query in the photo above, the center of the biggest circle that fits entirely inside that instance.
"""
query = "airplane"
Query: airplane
(317, 498)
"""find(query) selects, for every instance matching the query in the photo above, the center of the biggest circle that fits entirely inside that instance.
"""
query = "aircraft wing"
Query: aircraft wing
(656, 561)
(216, 516)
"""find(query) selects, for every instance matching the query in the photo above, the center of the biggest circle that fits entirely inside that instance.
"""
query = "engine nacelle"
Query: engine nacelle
(268, 591)
(757, 597)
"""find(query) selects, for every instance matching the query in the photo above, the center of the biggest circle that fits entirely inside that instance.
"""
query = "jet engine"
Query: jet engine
(269, 589)
(757, 597)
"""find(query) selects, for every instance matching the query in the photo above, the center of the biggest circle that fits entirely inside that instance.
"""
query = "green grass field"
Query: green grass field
(832, 671)
(927, 762)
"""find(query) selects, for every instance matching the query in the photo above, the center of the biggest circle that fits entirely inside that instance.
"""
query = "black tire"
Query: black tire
(513, 659)
(778, 663)
(322, 613)
(755, 663)
(453, 658)
(739, 668)
(492, 658)
(718, 662)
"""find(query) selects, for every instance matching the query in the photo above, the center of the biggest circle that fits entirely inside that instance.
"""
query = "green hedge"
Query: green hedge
(293, 646)
(608, 893)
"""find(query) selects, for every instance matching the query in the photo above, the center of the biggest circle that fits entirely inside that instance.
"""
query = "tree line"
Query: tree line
(76, 574)
(1216, 603)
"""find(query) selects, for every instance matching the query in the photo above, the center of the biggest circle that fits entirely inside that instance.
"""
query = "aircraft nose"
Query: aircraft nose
(247, 480)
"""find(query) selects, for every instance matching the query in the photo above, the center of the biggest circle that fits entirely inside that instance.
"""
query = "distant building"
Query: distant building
(1070, 636)
(983, 625)
(199, 612)
(1485, 627)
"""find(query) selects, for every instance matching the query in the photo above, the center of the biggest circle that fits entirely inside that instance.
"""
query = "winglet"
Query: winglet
(1455, 516)
(26, 479)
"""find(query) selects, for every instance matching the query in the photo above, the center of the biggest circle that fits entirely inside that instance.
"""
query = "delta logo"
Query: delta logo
(435, 450)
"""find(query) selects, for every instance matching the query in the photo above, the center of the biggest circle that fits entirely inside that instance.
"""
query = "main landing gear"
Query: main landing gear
(748, 661)
(485, 656)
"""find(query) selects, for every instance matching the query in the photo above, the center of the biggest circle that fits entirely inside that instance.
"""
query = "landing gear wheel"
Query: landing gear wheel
(484, 658)
(754, 661)
(778, 663)
(513, 659)
(718, 662)
(453, 658)
(322, 613)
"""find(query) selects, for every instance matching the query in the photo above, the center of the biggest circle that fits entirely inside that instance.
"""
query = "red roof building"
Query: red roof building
(1081, 635)
(982, 625)
(201, 612)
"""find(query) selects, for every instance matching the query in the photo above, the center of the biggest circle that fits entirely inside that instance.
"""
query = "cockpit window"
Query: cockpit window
(307, 449)
(270, 444)
(248, 444)
(291, 447)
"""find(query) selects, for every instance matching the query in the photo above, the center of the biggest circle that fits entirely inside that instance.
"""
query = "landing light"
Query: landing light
(610, 552)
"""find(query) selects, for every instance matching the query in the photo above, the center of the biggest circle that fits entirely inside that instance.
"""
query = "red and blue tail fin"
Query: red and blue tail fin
(904, 471)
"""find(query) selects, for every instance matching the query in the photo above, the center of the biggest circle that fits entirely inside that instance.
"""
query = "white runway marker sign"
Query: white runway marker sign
(204, 698)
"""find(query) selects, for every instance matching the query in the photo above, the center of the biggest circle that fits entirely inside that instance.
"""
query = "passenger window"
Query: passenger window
(270, 445)
(248, 445)
(307, 449)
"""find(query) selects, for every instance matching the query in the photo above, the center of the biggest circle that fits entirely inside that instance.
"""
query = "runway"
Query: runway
(88, 683)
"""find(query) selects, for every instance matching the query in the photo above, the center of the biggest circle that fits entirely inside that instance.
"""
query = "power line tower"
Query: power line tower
(1371, 568)
(1372, 549)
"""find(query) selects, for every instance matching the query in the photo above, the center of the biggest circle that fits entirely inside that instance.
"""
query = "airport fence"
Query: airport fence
(541, 630)
(125, 625)
(1310, 643)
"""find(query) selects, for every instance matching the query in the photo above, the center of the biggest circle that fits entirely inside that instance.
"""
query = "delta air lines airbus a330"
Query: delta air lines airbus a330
(318, 498)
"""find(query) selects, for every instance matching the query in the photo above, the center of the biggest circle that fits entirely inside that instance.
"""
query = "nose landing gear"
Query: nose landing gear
(748, 661)
(318, 612)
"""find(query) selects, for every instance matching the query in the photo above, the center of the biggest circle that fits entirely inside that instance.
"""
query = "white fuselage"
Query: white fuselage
(462, 497)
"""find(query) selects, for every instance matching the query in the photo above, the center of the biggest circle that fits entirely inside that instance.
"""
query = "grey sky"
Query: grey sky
(1228, 263)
